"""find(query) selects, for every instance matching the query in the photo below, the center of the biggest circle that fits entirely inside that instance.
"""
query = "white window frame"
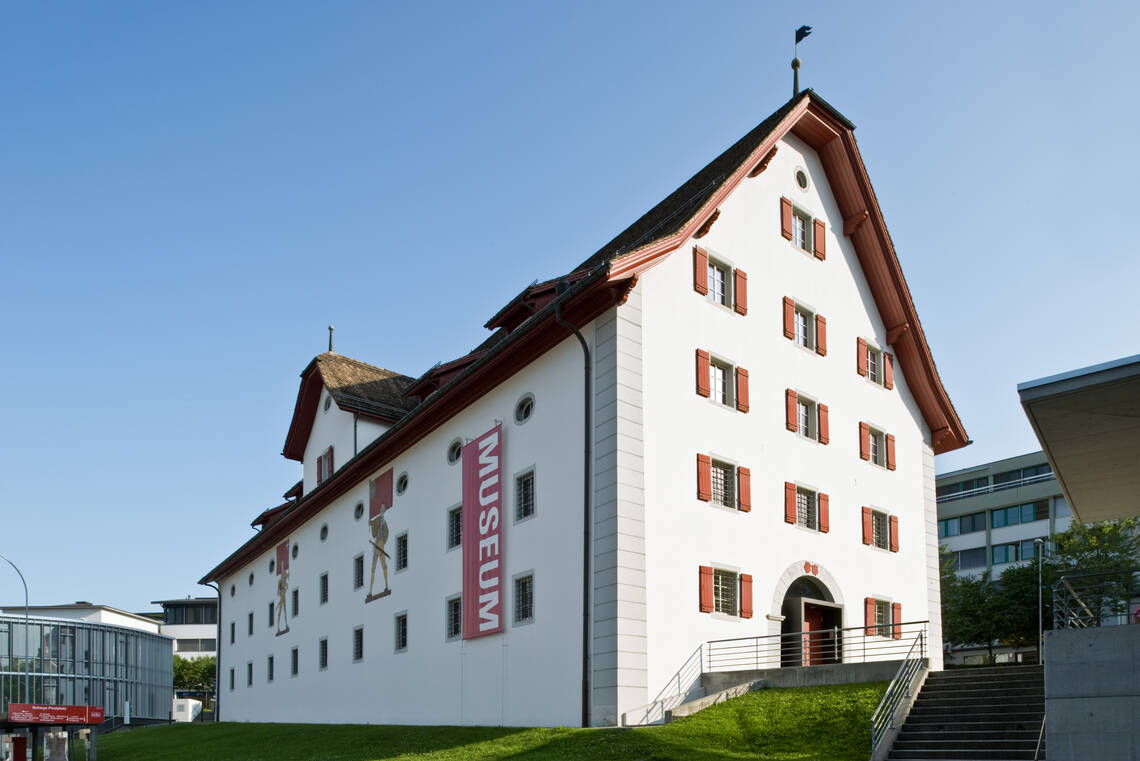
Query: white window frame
(729, 391)
(731, 606)
(396, 631)
(716, 266)
(876, 372)
(807, 417)
(880, 529)
(515, 620)
(532, 472)
(454, 509)
(876, 446)
(396, 552)
(803, 240)
(728, 469)
(447, 635)
(809, 507)
(803, 321)
(358, 561)
(883, 611)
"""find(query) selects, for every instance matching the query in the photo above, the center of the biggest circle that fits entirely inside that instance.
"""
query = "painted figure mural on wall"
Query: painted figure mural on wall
(282, 586)
(379, 502)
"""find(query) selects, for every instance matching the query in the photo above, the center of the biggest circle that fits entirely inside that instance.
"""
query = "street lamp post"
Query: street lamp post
(27, 635)
(1040, 621)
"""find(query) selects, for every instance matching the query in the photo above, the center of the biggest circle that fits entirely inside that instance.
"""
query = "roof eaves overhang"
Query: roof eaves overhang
(583, 301)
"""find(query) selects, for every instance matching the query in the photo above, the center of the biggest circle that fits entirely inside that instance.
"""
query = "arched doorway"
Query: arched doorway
(810, 631)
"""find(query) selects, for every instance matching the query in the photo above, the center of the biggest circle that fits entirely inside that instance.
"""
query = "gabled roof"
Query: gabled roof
(666, 226)
(355, 386)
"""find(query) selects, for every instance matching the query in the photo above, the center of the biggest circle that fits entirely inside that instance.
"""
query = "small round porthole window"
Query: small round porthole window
(251, 579)
(328, 403)
(296, 549)
(359, 510)
(802, 179)
(402, 483)
(524, 409)
(324, 532)
(454, 451)
(233, 590)
(272, 566)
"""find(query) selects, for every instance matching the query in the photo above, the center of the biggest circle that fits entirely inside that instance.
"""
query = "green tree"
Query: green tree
(1094, 565)
(971, 613)
(194, 673)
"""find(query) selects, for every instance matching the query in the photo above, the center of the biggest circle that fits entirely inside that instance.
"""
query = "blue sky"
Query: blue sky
(191, 193)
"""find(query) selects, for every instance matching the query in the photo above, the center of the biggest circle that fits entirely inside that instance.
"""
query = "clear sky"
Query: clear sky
(191, 192)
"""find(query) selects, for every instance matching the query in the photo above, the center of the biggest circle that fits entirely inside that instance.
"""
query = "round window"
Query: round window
(454, 451)
(272, 566)
(251, 579)
(801, 179)
(324, 532)
(296, 548)
(524, 409)
(402, 483)
(233, 590)
(359, 510)
(328, 403)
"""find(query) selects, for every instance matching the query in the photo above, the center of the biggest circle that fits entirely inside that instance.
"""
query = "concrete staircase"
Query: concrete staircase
(982, 714)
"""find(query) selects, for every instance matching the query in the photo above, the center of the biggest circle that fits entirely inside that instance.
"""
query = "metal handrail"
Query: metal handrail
(899, 689)
(990, 488)
(1095, 599)
(1040, 739)
(856, 644)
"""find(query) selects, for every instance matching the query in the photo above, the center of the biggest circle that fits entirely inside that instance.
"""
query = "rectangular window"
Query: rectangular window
(806, 418)
(972, 558)
(524, 599)
(251, 623)
(358, 572)
(805, 328)
(269, 669)
(883, 618)
(973, 522)
(295, 661)
(323, 654)
(723, 484)
(806, 509)
(454, 617)
(1028, 549)
(401, 632)
(454, 527)
(324, 588)
(719, 284)
(296, 602)
(524, 495)
(1004, 553)
(233, 627)
(720, 378)
(358, 644)
(270, 615)
(874, 364)
(249, 674)
(231, 680)
(878, 450)
(880, 534)
(801, 230)
(725, 585)
(402, 552)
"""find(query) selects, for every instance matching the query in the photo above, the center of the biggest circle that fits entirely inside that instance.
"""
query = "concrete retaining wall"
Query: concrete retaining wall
(804, 676)
(1092, 694)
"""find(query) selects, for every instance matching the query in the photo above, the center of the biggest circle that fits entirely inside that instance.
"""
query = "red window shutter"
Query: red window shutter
(789, 502)
(742, 389)
(746, 595)
(821, 335)
(329, 468)
(824, 513)
(865, 441)
(824, 426)
(890, 452)
(896, 619)
(861, 356)
(868, 530)
(869, 616)
(321, 468)
(706, 589)
(704, 477)
(744, 489)
(703, 372)
(740, 288)
(700, 270)
(820, 240)
(894, 522)
(888, 371)
(786, 218)
(789, 318)
(790, 400)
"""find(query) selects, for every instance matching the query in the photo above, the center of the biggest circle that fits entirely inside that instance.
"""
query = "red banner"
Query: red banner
(283, 557)
(482, 535)
(380, 494)
(27, 713)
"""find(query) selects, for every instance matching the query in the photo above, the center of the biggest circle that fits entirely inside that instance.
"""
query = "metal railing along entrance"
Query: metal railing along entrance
(900, 689)
(856, 644)
(1108, 598)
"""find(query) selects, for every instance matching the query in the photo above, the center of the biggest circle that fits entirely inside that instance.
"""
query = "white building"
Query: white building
(90, 613)
(737, 440)
(193, 622)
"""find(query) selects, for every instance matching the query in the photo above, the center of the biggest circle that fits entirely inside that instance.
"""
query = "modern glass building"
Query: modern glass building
(73, 662)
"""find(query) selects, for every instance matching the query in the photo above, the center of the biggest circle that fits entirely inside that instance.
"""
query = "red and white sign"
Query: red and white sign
(482, 535)
(29, 713)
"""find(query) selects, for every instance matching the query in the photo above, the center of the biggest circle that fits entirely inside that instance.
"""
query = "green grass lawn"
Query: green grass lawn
(824, 723)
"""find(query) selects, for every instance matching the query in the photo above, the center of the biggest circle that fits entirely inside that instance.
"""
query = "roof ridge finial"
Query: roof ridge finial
(802, 32)
(331, 329)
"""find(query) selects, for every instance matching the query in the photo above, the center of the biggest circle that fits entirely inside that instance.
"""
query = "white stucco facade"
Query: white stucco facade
(650, 534)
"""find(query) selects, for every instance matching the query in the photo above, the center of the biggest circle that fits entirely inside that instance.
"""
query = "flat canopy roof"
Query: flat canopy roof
(1088, 423)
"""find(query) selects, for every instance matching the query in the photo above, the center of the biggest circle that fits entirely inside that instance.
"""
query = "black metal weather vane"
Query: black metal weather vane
(801, 33)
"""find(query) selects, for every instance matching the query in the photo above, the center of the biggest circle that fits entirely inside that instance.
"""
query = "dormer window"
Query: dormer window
(324, 466)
